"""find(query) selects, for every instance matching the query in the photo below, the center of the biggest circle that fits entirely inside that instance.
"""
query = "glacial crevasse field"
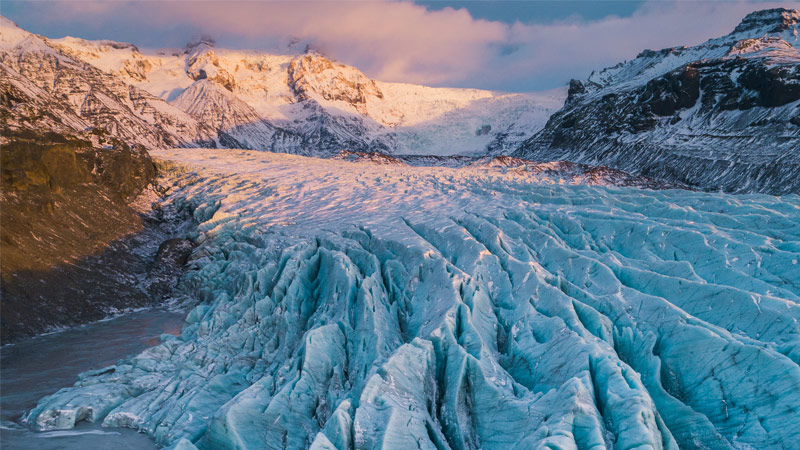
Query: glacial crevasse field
(356, 305)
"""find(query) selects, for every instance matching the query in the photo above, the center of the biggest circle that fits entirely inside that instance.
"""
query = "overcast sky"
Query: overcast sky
(500, 45)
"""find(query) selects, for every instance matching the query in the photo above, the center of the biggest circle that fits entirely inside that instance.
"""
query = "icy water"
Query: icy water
(36, 367)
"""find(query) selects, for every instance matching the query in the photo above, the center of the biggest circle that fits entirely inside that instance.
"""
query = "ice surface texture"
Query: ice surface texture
(351, 305)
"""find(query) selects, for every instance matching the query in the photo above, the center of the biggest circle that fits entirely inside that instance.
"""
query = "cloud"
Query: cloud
(399, 41)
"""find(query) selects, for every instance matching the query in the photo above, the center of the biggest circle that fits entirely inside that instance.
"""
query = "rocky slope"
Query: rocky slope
(43, 88)
(566, 172)
(63, 201)
(74, 246)
(720, 115)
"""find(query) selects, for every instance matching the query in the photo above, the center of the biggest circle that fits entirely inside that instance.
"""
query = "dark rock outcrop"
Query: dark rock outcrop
(372, 157)
(570, 172)
(73, 250)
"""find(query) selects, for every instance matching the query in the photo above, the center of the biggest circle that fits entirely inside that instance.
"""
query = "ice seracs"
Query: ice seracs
(361, 305)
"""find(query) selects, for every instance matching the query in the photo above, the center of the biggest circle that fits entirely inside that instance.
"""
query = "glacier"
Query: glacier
(352, 305)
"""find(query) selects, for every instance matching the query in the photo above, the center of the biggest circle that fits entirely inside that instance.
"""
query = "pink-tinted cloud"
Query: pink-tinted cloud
(402, 41)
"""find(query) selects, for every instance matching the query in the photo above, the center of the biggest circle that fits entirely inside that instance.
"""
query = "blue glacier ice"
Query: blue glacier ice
(356, 306)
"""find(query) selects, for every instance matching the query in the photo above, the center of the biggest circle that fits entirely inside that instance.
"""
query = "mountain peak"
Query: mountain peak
(10, 33)
(773, 20)
(6, 22)
(314, 73)
(201, 41)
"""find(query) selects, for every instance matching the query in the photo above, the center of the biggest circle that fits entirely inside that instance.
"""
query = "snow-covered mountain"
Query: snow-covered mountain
(301, 103)
(43, 89)
(721, 115)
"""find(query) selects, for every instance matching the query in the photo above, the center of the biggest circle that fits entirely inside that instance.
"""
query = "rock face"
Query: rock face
(238, 125)
(721, 115)
(778, 20)
(167, 265)
(72, 247)
(313, 74)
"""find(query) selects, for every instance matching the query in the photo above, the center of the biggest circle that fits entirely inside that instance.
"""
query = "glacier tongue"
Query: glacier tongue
(352, 305)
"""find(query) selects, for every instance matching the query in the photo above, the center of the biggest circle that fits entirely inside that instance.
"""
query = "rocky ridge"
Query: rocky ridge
(303, 103)
(42, 83)
(720, 115)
